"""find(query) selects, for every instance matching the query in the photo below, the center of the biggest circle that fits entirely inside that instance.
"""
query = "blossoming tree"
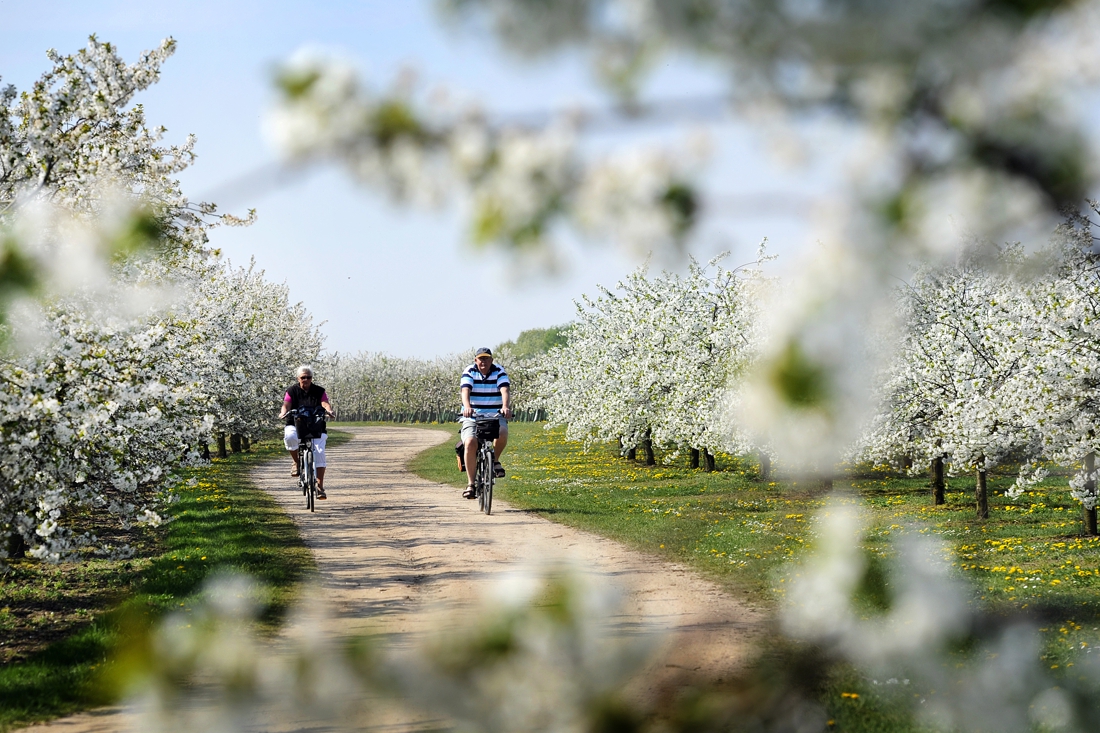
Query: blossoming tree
(650, 361)
(956, 390)
(137, 343)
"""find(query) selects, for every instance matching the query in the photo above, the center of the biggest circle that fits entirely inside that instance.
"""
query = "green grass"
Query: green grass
(742, 531)
(98, 608)
(438, 463)
(1029, 556)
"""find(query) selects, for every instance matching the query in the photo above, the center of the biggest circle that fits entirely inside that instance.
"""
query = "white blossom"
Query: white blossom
(519, 182)
(652, 359)
(144, 343)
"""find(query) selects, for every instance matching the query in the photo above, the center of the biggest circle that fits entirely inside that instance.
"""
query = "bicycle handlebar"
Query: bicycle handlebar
(309, 411)
(482, 416)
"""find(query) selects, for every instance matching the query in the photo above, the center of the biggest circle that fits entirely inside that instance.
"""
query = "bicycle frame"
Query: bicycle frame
(483, 469)
(483, 475)
(307, 472)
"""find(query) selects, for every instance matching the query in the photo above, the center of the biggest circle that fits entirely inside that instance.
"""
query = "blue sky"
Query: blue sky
(383, 278)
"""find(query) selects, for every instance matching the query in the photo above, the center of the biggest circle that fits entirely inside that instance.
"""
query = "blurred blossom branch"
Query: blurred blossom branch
(74, 153)
(906, 617)
(539, 653)
(522, 181)
(968, 129)
(966, 121)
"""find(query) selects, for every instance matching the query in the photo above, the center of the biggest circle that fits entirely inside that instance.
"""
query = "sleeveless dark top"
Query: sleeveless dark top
(305, 398)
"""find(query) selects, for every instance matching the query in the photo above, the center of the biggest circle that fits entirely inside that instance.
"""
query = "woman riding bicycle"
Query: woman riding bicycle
(484, 388)
(306, 394)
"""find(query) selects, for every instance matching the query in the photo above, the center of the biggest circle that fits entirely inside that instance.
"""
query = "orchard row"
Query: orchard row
(130, 344)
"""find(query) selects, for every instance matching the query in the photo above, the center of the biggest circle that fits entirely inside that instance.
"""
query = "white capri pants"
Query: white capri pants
(290, 440)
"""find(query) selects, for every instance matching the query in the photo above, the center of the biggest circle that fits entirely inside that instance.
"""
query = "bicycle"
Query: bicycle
(487, 429)
(307, 421)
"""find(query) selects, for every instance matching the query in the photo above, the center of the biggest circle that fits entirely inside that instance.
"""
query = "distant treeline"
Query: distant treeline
(379, 387)
(424, 416)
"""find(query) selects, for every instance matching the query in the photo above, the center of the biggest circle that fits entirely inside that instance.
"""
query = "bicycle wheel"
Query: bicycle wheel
(487, 484)
(302, 471)
(311, 479)
(479, 479)
(488, 508)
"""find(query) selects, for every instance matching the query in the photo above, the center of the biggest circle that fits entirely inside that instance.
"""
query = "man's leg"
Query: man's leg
(498, 448)
(471, 458)
(321, 477)
(468, 436)
(501, 441)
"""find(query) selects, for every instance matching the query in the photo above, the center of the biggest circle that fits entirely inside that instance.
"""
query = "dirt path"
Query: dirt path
(395, 550)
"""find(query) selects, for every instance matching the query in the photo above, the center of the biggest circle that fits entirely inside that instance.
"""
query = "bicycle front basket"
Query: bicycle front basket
(309, 426)
(488, 428)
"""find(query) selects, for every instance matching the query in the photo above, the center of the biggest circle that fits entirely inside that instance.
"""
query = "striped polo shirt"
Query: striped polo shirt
(484, 390)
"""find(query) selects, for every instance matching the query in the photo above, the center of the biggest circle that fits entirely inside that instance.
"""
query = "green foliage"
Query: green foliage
(798, 379)
(488, 223)
(682, 201)
(535, 341)
(394, 120)
(296, 83)
(143, 231)
(19, 275)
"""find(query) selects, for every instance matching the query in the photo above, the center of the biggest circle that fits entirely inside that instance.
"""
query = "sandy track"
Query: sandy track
(395, 550)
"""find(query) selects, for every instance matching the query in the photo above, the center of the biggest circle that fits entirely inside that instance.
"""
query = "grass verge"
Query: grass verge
(1029, 556)
(61, 625)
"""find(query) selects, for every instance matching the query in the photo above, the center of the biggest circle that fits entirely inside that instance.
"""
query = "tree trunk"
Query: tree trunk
(981, 492)
(1090, 489)
(235, 442)
(246, 444)
(204, 451)
(708, 461)
(694, 458)
(937, 481)
(17, 547)
(765, 466)
(632, 454)
(221, 446)
(650, 456)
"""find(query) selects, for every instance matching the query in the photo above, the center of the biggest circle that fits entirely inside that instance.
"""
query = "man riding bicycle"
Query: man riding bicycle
(306, 394)
(484, 389)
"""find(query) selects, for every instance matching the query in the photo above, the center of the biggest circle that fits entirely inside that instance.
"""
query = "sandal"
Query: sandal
(321, 494)
(469, 493)
(498, 470)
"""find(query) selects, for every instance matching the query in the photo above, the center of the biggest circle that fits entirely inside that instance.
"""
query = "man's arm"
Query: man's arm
(328, 408)
(286, 406)
(505, 396)
(467, 409)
